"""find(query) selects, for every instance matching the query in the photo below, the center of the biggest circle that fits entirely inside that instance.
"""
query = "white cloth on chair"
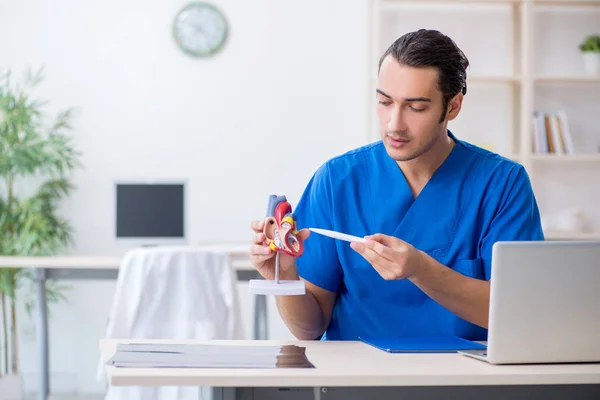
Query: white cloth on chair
(173, 293)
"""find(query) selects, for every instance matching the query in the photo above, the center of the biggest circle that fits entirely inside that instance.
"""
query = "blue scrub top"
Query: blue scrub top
(473, 200)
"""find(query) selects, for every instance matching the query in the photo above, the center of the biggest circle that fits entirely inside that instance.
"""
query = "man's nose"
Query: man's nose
(396, 122)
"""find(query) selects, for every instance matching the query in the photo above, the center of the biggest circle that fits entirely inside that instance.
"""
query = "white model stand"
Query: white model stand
(277, 287)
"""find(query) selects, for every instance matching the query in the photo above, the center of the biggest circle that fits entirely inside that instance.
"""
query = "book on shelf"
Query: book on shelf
(551, 133)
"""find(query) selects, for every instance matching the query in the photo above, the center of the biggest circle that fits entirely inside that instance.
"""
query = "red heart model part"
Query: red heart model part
(280, 227)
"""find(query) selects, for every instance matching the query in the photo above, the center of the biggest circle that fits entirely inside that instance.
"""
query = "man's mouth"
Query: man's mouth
(396, 141)
(399, 139)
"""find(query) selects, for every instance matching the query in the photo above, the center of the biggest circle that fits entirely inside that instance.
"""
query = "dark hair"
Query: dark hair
(431, 48)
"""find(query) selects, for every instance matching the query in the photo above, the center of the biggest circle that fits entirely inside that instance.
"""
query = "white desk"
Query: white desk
(92, 267)
(372, 374)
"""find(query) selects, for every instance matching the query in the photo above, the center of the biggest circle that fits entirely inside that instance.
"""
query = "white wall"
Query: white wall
(237, 127)
(292, 73)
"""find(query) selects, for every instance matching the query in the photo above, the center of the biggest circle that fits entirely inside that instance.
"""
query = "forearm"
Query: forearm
(302, 314)
(466, 297)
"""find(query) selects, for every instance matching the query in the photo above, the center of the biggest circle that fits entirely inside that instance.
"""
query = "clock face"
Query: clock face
(200, 29)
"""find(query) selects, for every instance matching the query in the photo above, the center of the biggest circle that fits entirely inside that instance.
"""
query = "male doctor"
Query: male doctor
(430, 205)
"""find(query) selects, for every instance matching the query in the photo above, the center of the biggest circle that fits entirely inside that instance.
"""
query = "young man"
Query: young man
(430, 205)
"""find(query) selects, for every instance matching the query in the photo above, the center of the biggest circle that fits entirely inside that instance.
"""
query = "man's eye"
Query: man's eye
(416, 109)
(385, 103)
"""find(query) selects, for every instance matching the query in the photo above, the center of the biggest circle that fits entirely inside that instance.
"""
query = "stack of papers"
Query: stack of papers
(137, 355)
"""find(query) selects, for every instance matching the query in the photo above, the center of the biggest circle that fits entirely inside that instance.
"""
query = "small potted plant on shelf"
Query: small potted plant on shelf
(590, 48)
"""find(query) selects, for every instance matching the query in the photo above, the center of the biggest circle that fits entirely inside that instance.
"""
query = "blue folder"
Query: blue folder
(422, 344)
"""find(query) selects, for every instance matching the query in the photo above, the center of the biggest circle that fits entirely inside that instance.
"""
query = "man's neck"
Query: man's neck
(418, 171)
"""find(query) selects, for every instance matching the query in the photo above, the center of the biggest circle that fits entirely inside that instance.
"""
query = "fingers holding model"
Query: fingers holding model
(277, 234)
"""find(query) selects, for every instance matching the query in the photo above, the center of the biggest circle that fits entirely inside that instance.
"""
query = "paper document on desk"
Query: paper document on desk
(208, 356)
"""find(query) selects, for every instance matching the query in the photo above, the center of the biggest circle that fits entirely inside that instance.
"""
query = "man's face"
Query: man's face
(409, 109)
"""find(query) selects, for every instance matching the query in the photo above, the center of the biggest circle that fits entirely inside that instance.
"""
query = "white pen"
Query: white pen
(337, 235)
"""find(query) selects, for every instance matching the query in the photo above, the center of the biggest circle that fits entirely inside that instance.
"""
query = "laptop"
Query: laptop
(544, 301)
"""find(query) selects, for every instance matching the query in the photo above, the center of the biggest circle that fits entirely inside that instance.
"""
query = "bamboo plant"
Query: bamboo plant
(37, 156)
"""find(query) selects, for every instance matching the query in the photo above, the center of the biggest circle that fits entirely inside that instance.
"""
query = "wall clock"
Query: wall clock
(200, 29)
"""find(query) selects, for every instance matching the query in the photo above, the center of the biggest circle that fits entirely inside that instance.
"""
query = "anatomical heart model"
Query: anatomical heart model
(283, 237)
(280, 227)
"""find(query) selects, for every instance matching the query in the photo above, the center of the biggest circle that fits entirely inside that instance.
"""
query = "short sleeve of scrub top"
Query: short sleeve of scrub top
(319, 264)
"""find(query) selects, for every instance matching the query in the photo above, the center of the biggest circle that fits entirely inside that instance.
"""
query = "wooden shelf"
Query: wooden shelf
(567, 2)
(389, 2)
(493, 79)
(566, 235)
(567, 158)
(535, 2)
(481, 79)
(567, 79)
(468, 6)
(486, 79)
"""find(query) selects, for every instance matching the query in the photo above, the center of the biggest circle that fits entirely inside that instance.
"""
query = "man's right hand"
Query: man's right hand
(306, 316)
(263, 258)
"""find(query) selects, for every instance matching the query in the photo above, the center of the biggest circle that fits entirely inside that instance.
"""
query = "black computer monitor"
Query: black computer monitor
(146, 210)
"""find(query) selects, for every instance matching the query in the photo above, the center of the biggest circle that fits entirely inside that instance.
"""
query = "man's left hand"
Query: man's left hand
(391, 257)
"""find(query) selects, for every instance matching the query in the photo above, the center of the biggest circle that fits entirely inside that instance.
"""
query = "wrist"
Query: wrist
(421, 266)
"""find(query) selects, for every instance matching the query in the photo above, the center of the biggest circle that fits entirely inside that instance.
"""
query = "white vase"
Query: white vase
(591, 63)
(11, 387)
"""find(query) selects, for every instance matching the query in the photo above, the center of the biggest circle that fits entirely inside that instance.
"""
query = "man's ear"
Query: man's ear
(454, 106)
(269, 229)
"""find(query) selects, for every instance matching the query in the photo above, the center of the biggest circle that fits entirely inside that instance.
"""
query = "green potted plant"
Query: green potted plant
(590, 48)
(35, 161)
